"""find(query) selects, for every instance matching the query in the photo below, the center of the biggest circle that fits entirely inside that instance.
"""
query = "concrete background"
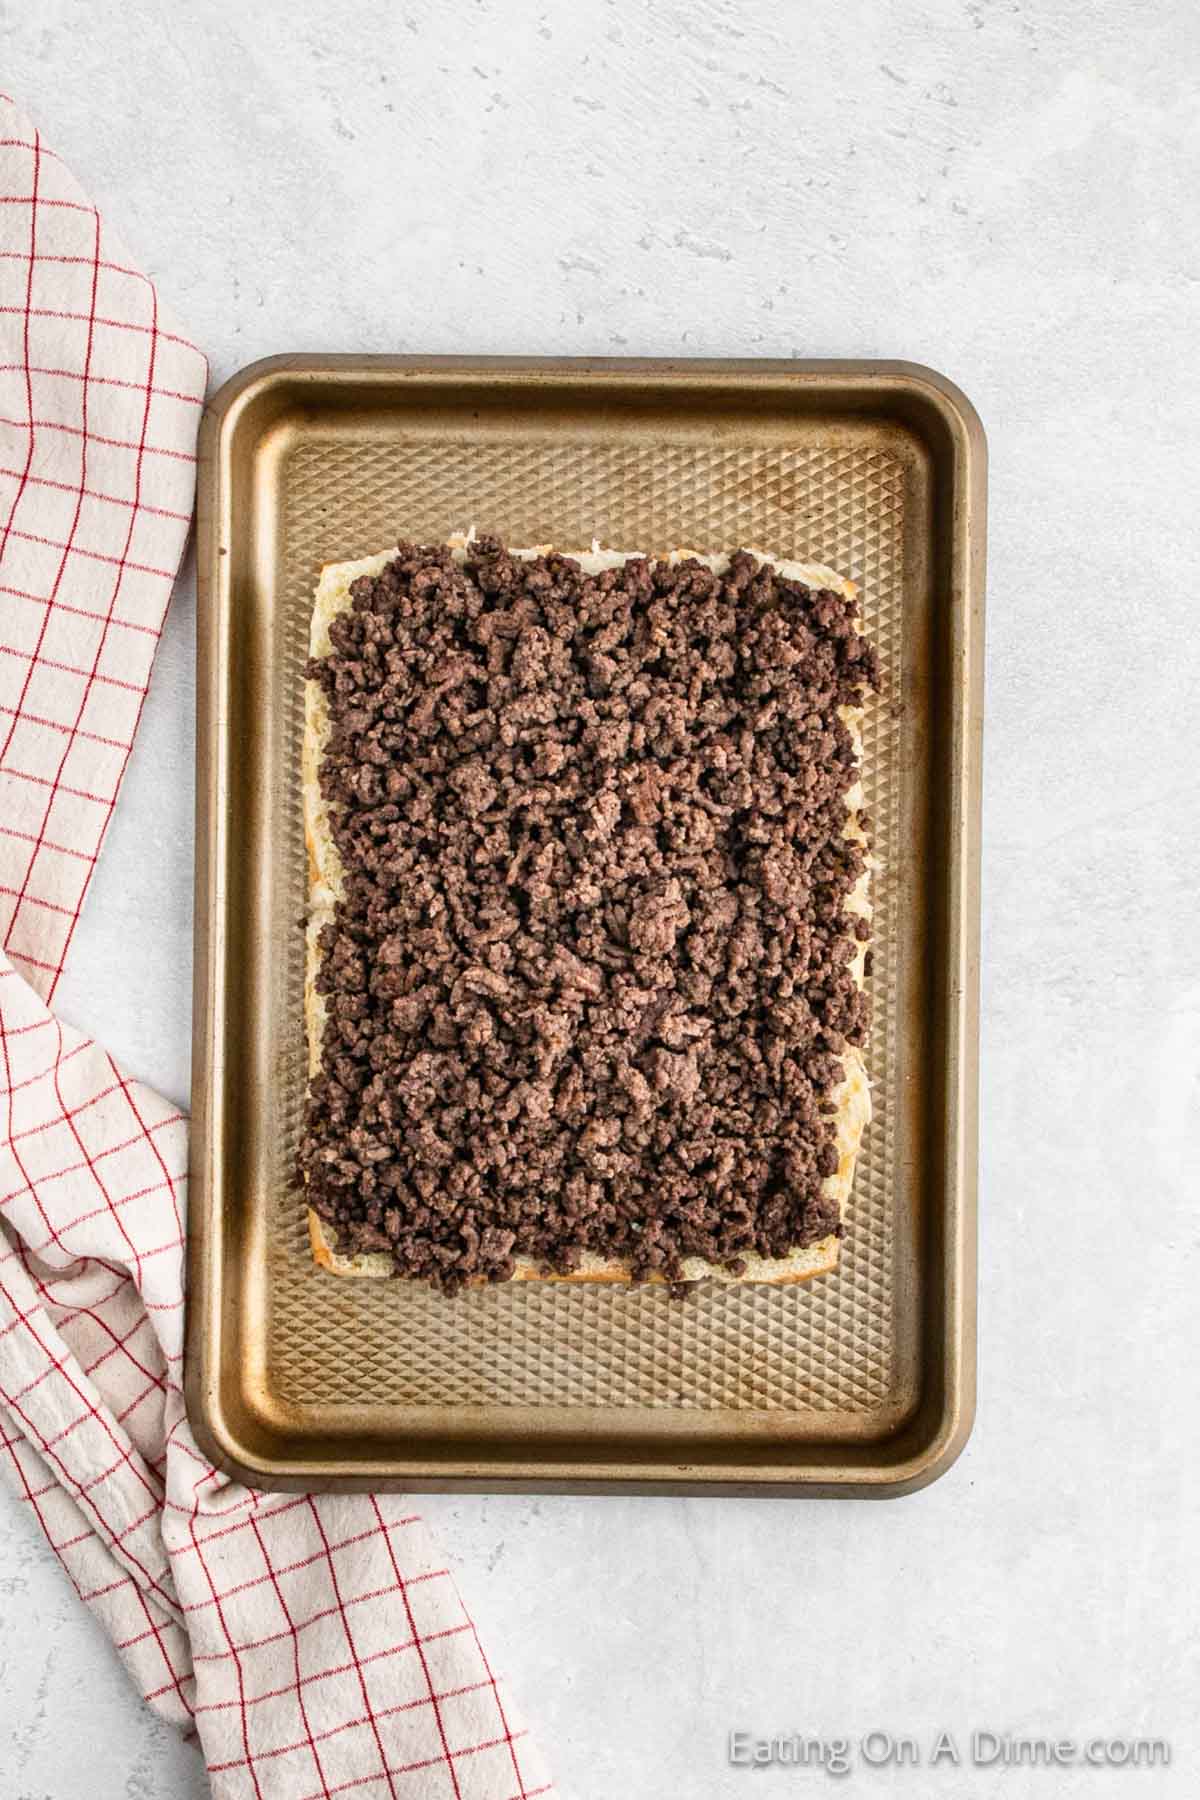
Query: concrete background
(1004, 190)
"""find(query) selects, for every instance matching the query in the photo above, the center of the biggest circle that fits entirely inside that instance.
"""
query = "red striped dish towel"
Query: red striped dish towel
(318, 1646)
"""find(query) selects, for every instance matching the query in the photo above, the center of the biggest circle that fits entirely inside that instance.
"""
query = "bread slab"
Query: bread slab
(852, 1096)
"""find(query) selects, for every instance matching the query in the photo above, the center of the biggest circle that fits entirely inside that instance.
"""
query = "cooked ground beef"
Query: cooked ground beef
(588, 984)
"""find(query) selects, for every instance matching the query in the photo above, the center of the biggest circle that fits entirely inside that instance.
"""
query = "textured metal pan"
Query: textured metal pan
(858, 1382)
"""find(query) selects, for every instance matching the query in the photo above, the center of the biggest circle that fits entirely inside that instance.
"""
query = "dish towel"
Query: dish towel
(318, 1646)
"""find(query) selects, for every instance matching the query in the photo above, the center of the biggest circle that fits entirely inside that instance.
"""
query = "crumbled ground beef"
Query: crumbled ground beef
(588, 983)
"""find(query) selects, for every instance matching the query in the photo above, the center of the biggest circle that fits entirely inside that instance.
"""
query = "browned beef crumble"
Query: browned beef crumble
(588, 983)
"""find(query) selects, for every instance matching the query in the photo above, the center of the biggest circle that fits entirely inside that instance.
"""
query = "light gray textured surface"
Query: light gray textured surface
(1004, 190)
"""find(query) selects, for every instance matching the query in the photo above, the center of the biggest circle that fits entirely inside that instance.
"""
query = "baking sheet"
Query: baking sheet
(861, 1381)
